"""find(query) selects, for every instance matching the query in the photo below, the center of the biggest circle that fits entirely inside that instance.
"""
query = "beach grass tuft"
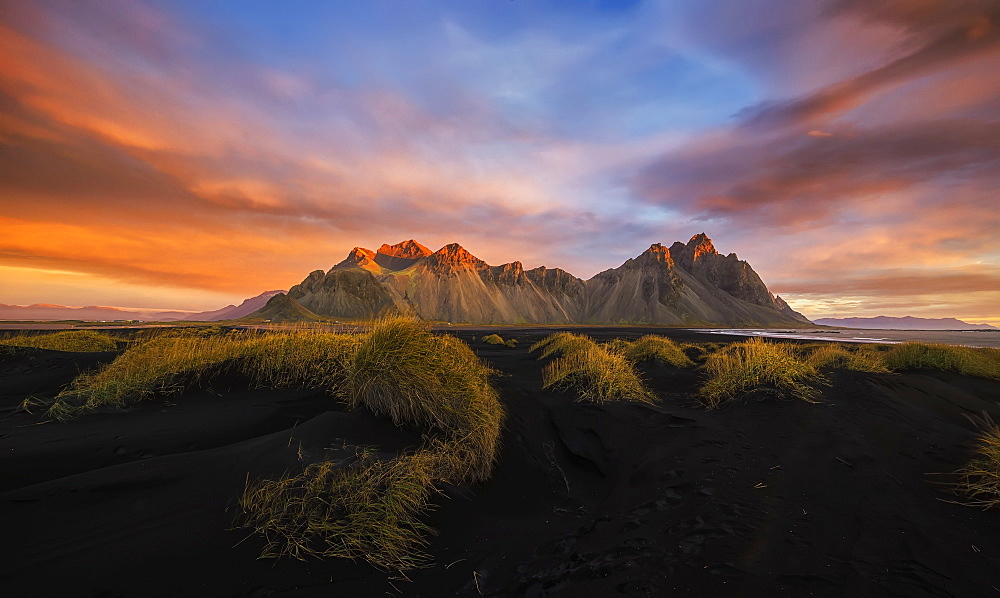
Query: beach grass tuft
(979, 481)
(969, 361)
(76, 341)
(371, 509)
(755, 365)
(402, 370)
(861, 359)
(600, 375)
(168, 364)
(561, 343)
(493, 339)
(658, 348)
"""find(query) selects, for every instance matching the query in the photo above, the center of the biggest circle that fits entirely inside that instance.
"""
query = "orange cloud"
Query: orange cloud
(144, 176)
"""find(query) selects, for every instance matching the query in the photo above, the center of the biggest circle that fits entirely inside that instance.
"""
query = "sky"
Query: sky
(192, 153)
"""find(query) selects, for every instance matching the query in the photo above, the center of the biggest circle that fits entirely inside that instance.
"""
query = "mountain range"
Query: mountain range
(903, 323)
(47, 311)
(685, 284)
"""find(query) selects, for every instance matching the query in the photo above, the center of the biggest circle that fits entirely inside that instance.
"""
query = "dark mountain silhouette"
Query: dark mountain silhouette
(232, 312)
(903, 323)
(689, 284)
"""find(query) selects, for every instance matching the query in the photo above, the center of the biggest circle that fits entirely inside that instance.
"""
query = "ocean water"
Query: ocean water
(969, 338)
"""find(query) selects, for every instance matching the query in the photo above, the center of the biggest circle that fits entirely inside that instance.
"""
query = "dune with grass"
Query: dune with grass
(409, 461)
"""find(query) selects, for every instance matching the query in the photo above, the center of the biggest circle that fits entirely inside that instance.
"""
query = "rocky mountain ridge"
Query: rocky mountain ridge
(687, 284)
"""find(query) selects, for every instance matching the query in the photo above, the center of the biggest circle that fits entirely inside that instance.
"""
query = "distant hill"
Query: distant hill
(903, 323)
(686, 284)
(282, 308)
(233, 312)
(97, 313)
(47, 311)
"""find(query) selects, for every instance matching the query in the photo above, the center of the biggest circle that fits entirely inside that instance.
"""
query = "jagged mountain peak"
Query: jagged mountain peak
(515, 266)
(695, 252)
(408, 249)
(658, 253)
(700, 245)
(359, 257)
(455, 254)
(699, 239)
(401, 255)
(360, 254)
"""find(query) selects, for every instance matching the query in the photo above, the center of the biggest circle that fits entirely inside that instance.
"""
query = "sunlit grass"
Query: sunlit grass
(493, 339)
(758, 365)
(599, 375)
(979, 481)
(168, 364)
(371, 509)
(658, 348)
(561, 343)
(496, 339)
(78, 341)
(402, 370)
(368, 510)
(830, 355)
(970, 361)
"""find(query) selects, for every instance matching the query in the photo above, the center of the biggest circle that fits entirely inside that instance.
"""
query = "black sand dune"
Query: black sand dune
(762, 497)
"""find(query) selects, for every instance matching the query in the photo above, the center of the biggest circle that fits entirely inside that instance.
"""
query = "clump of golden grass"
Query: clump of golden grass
(659, 348)
(302, 358)
(980, 480)
(511, 342)
(413, 376)
(493, 339)
(970, 361)
(167, 364)
(77, 341)
(617, 345)
(757, 364)
(371, 509)
(599, 375)
(561, 343)
(860, 359)
(192, 330)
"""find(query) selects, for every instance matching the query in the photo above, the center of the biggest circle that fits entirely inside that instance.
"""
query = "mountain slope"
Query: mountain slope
(282, 308)
(688, 284)
(232, 312)
(345, 292)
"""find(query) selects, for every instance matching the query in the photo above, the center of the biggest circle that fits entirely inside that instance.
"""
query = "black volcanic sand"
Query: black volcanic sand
(758, 498)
